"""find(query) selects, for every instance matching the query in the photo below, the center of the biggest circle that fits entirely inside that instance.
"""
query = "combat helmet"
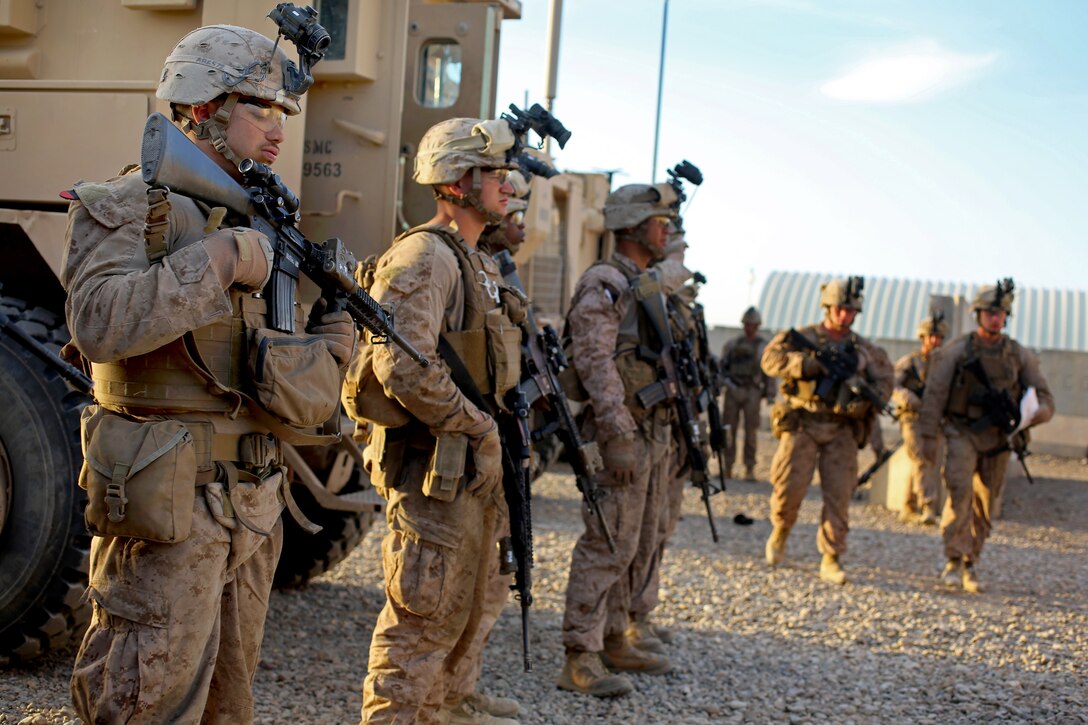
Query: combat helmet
(217, 60)
(630, 205)
(453, 147)
(751, 317)
(842, 293)
(935, 324)
(995, 297)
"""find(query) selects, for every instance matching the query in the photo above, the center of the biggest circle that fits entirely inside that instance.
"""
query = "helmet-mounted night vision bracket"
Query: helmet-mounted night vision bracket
(311, 40)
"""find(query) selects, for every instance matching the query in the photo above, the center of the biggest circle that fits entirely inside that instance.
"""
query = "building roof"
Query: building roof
(1042, 318)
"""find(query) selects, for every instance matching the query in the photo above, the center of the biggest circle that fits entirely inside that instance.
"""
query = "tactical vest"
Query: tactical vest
(166, 380)
(1002, 365)
(488, 343)
(742, 365)
(637, 348)
(838, 399)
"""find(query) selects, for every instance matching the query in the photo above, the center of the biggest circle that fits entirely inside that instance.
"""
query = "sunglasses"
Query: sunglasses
(518, 217)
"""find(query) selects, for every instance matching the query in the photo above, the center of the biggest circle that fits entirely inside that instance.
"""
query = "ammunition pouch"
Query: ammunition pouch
(140, 476)
(392, 451)
(504, 351)
(446, 467)
(295, 378)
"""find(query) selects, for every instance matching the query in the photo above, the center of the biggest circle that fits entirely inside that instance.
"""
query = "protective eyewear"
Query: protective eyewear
(661, 219)
(499, 174)
(518, 217)
(264, 117)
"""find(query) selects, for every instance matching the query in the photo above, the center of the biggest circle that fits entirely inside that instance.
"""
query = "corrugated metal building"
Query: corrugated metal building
(1042, 318)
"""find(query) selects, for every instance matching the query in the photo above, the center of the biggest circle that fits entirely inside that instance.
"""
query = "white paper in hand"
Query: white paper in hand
(1029, 406)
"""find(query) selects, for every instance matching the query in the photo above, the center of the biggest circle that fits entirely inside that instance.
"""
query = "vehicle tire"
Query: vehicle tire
(44, 545)
(306, 555)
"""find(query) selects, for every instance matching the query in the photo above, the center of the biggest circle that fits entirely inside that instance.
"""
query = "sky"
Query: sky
(920, 139)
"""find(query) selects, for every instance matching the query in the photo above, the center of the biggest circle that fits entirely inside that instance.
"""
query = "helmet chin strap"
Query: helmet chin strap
(641, 238)
(214, 128)
(471, 199)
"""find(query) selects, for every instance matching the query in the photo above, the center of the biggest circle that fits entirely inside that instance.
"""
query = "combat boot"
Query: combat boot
(619, 654)
(969, 579)
(831, 570)
(776, 545)
(952, 575)
(641, 634)
(750, 474)
(497, 706)
(908, 516)
(585, 672)
(928, 516)
(468, 714)
(663, 633)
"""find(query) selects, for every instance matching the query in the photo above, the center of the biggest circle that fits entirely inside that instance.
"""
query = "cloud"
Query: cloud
(907, 75)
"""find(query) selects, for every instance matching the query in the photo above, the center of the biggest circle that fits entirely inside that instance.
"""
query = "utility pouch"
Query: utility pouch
(384, 457)
(140, 477)
(295, 378)
(363, 395)
(447, 467)
(504, 349)
(784, 419)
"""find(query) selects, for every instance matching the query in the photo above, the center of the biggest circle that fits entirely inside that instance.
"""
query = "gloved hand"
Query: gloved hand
(620, 456)
(487, 455)
(240, 256)
(812, 368)
(337, 328)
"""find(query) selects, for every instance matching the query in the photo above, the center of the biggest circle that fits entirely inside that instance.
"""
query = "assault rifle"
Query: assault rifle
(543, 360)
(678, 377)
(841, 364)
(514, 435)
(1001, 411)
(710, 376)
(169, 160)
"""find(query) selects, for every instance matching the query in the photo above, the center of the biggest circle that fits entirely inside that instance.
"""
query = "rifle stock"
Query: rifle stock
(169, 159)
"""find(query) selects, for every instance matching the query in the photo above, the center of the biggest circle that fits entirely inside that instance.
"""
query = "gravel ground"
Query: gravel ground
(752, 645)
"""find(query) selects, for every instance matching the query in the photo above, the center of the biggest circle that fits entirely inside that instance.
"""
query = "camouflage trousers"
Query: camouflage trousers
(464, 680)
(974, 482)
(439, 562)
(924, 487)
(831, 445)
(644, 599)
(175, 635)
(741, 400)
(602, 585)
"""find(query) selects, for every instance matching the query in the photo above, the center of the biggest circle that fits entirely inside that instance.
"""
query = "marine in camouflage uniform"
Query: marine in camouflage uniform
(746, 385)
(977, 445)
(180, 584)
(607, 328)
(433, 454)
(923, 490)
(642, 632)
(462, 693)
(825, 431)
